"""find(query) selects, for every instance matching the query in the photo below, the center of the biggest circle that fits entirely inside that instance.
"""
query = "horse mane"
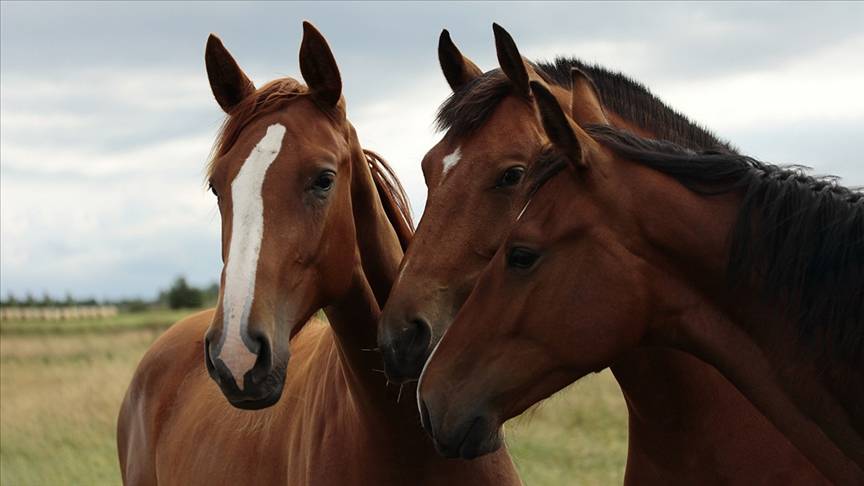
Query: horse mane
(393, 197)
(469, 107)
(798, 239)
(269, 98)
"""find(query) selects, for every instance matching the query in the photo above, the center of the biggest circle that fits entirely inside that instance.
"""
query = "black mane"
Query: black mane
(798, 238)
(469, 107)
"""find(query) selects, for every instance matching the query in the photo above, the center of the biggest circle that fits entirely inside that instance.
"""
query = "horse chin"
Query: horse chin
(257, 403)
(472, 439)
(481, 442)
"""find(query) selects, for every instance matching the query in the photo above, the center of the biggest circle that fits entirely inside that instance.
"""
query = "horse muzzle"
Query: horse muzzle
(458, 435)
(261, 385)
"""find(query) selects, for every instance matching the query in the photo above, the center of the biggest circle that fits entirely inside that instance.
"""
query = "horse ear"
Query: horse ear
(228, 82)
(585, 104)
(458, 69)
(318, 67)
(510, 60)
(556, 125)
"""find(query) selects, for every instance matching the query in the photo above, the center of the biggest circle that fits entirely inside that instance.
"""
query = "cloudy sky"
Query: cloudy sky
(106, 117)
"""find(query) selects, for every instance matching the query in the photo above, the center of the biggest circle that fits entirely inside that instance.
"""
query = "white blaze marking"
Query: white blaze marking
(450, 161)
(247, 229)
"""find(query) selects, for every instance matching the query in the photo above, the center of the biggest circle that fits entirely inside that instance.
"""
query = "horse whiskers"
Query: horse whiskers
(376, 370)
(399, 396)
(371, 350)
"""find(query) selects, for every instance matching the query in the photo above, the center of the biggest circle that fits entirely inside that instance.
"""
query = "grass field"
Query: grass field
(61, 387)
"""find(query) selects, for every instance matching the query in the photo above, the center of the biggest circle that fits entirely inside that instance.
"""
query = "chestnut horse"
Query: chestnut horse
(687, 424)
(309, 221)
(754, 268)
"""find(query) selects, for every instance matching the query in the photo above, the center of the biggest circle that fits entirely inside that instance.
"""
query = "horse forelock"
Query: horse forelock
(270, 98)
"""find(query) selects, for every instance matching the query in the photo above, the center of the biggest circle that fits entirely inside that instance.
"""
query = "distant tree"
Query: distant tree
(88, 301)
(47, 300)
(134, 305)
(210, 294)
(29, 300)
(181, 295)
(11, 301)
(162, 298)
(68, 301)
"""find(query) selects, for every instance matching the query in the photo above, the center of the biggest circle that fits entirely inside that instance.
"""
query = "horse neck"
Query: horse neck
(733, 330)
(354, 318)
(674, 398)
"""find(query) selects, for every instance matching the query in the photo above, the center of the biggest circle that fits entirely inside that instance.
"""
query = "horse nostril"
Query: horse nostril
(418, 334)
(264, 361)
(208, 358)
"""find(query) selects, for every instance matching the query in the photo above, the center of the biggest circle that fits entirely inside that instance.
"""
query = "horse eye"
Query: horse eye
(511, 176)
(324, 181)
(521, 258)
(212, 189)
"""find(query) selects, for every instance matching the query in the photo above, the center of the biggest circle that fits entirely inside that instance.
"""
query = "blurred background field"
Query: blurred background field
(61, 387)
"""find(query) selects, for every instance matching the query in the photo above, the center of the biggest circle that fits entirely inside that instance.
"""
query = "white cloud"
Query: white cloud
(823, 86)
(160, 157)
(400, 127)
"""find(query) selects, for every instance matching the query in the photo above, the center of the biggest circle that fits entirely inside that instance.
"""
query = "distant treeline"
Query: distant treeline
(180, 295)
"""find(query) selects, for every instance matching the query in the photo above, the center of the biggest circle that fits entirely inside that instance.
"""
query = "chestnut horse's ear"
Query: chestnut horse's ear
(556, 125)
(585, 104)
(586, 107)
(510, 60)
(458, 69)
(319, 69)
(228, 82)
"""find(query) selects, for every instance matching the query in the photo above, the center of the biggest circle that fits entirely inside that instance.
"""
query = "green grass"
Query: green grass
(60, 392)
(154, 319)
(578, 436)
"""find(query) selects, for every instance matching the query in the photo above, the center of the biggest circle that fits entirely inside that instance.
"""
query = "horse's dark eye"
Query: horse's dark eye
(511, 176)
(519, 257)
(212, 189)
(324, 181)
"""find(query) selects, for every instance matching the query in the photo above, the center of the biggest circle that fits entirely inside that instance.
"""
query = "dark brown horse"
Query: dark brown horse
(754, 268)
(687, 424)
(309, 221)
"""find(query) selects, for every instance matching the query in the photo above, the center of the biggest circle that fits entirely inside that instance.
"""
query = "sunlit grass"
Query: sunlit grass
(60, 393)
(578, 436)
(60, 396)
(154, 319)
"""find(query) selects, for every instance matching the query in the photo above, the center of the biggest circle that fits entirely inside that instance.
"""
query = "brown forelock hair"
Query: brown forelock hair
(269, 98)
(273, 97)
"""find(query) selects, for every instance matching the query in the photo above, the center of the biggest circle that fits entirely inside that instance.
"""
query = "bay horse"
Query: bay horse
(687, 423)
(754, 268)
(309, 221)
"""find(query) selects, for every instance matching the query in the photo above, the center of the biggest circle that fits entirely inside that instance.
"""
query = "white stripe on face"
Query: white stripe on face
(247, 230)
(450, 161)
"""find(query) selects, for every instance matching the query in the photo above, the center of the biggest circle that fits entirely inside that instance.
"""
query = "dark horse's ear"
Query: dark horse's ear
(458, 69)
(557, 126)
(228, 82)
(319, 69)
(585, 104)
(511, 61)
